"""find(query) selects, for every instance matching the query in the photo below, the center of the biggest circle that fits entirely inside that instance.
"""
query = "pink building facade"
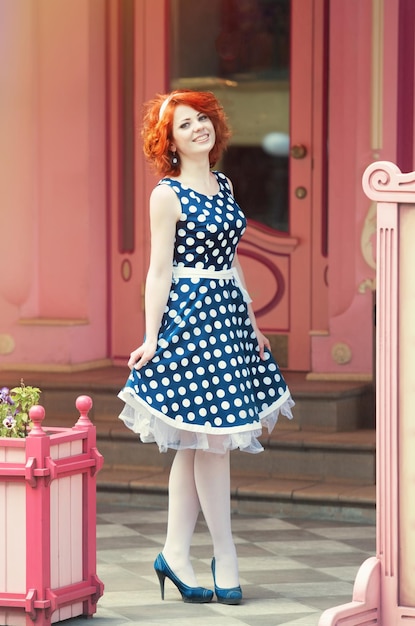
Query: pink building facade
(74, 185)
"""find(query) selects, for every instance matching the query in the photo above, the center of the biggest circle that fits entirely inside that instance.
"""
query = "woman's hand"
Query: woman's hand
(263, 342)
(142, 355)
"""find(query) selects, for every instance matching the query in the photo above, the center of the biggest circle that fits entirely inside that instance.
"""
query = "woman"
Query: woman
(204, 381)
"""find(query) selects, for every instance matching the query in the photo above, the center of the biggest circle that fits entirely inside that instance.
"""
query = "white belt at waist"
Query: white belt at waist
(195, 272)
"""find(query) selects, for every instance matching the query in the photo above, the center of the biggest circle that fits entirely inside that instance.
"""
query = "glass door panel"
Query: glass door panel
(240, 50)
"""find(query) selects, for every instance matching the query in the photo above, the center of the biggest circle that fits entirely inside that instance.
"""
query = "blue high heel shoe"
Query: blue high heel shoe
(233, 595)
(195, 595)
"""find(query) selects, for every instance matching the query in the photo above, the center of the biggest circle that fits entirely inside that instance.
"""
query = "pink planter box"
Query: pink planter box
(48, 522)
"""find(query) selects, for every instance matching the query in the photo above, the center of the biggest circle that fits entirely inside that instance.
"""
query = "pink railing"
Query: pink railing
(48, 522)
(384, 590)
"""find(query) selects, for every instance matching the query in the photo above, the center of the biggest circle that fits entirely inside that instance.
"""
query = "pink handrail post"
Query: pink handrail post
(89, 505)
(37, 522)
(384, 591)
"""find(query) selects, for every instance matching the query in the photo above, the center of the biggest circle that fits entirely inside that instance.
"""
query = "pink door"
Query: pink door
(136, 71)
(264, 59)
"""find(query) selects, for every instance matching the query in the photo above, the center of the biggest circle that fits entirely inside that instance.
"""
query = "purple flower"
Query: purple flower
(9, 422)
(4, 393)
(5, 396)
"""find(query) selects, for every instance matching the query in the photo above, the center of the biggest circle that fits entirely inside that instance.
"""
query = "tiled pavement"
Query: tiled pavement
(290, 570)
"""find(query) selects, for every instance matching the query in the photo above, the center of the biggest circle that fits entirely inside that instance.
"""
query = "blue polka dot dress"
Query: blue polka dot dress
(206, 386)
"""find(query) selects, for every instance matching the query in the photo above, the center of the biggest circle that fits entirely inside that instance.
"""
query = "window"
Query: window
(239, 49)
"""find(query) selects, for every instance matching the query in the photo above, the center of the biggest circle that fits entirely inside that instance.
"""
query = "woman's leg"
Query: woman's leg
(212, 478)
(183, 512)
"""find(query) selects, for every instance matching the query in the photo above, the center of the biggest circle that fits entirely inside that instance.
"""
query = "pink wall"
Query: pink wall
(53, 188)
(53, 266)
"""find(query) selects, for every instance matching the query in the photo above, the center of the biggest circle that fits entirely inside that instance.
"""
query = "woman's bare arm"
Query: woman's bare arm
(164, 214)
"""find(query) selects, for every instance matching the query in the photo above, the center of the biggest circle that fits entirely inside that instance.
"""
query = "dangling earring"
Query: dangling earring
(174, 159)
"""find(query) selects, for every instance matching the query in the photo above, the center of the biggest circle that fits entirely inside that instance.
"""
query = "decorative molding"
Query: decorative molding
(367, 236)
(279, 290)
(7, 344)
(269, 240)
(52, 321)
(55, 367)
(383, 181)
(377, 74)
(368, 283)
(126, 270)
(341, 353)
(272, 253)
(340, 376)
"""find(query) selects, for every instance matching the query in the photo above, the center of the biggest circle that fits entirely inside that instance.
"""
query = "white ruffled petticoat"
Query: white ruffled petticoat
(156, 428)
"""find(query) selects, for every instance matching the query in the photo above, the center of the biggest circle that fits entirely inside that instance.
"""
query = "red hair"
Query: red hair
(157, 132)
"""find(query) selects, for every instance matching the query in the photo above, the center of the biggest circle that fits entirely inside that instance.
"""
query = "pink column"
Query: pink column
(53, 260)
(384, 590)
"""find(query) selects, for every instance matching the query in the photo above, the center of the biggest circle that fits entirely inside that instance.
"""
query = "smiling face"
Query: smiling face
(193, 132)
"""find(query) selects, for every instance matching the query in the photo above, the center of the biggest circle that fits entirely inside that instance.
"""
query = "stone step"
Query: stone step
(346, 456)
(331, 414)
(250, 493)
(321, 463)
(327, 406)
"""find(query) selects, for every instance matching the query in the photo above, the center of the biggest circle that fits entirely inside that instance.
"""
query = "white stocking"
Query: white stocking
(183, 512)
(212, 478)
